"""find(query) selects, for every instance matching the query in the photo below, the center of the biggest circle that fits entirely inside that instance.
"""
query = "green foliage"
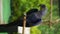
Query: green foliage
(34, 30)
(25, 5)
(21, 6)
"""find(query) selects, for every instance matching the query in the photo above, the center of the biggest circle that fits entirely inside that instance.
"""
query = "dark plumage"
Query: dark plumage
(33, 18)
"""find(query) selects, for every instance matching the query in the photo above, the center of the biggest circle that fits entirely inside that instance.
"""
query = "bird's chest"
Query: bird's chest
(38, 15)
(32, 17)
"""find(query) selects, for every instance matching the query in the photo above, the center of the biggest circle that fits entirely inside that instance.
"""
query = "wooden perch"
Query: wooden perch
(24, 24)
(44, 22)
(50, 23)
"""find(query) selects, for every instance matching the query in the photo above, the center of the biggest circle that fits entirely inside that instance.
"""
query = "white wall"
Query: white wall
(26, 31)
(1, 16)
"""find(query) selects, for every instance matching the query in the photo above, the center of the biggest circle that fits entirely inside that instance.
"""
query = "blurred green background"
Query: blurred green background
(6, 10)
(25, 5)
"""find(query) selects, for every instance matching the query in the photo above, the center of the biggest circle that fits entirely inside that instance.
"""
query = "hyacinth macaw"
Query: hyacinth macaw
(33, 18)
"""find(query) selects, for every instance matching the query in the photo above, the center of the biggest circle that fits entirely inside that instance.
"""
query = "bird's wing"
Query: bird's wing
(32, 11)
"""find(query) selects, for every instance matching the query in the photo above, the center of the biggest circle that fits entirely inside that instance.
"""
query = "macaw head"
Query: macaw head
(42, 6)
